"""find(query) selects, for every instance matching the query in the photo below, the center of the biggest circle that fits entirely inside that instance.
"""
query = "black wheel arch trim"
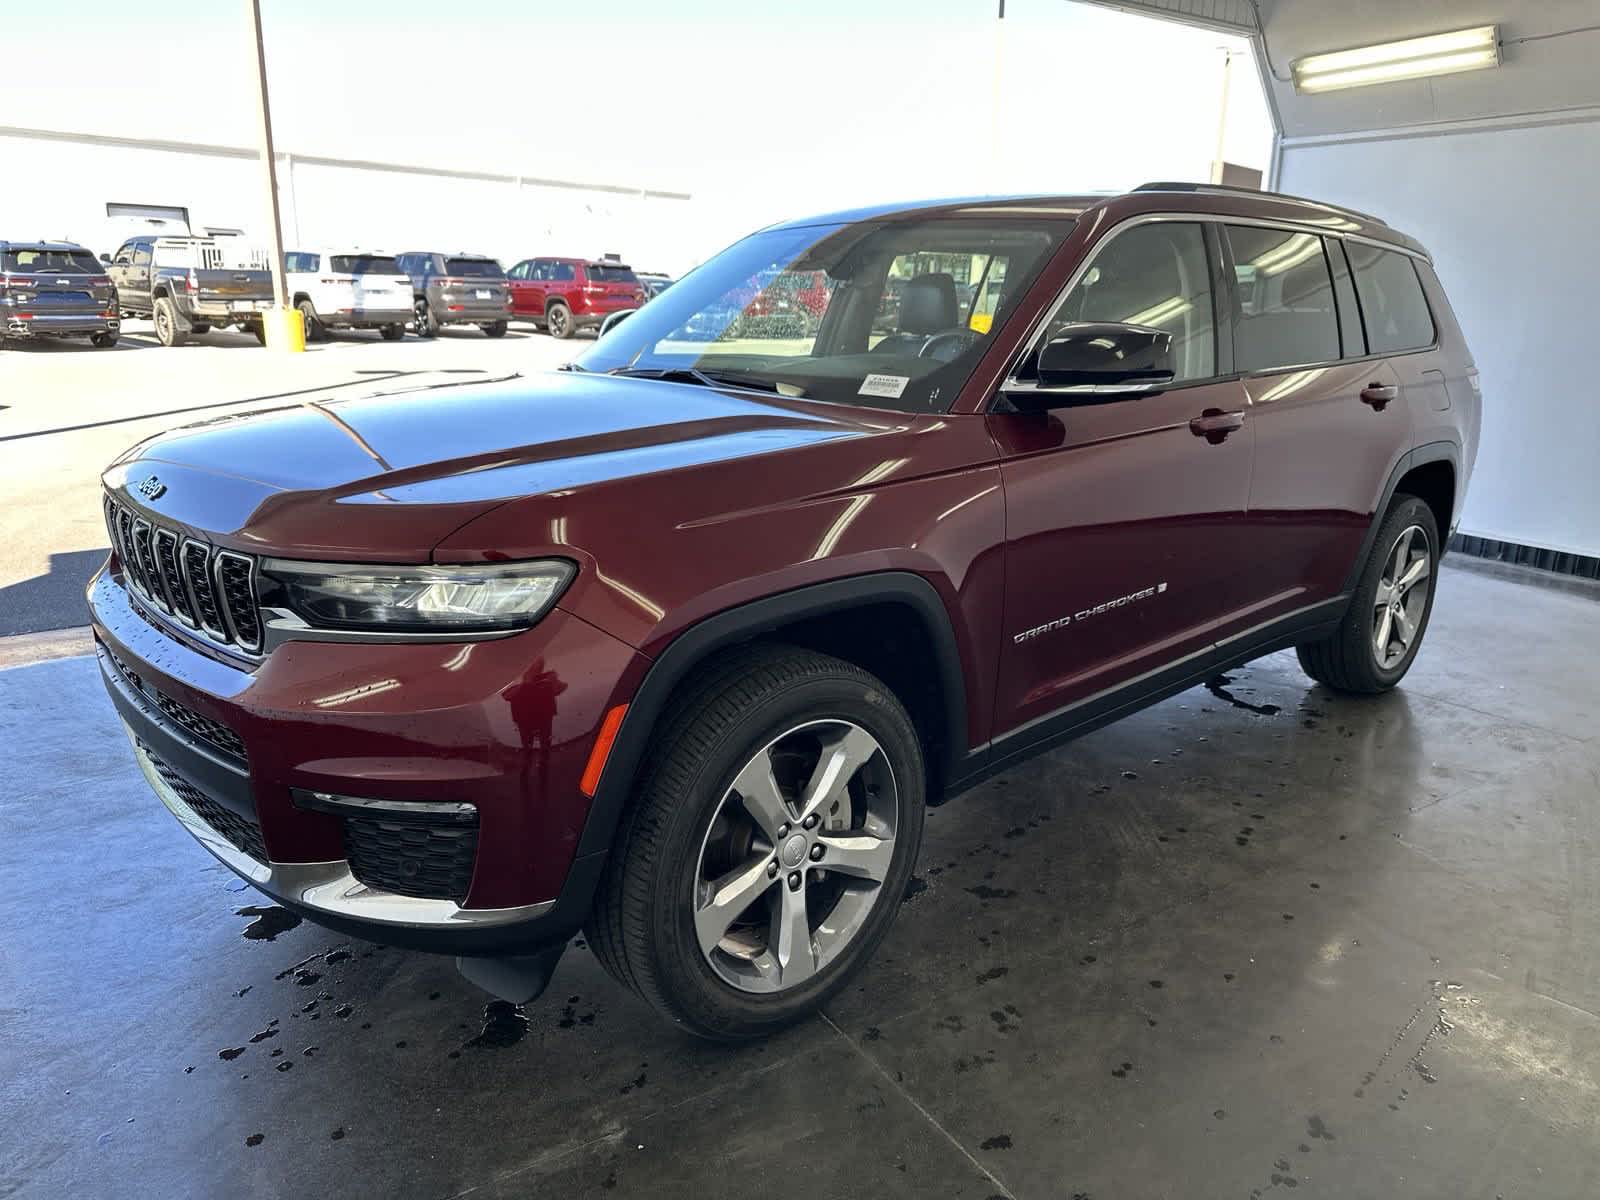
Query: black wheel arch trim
(1418, 456)
(747, 621)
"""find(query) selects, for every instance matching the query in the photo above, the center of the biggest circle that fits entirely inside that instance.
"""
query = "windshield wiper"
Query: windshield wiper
(697, 376)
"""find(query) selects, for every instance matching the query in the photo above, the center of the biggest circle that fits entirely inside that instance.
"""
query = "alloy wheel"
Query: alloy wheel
(1402, 597)
(795, 856)
(558, 321)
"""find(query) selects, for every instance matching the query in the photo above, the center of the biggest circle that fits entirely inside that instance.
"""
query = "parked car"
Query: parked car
(55, 290)
(349, 290)
(676, 647)
(191, 285)
(563, 295)
(456, 289)
(653, 283)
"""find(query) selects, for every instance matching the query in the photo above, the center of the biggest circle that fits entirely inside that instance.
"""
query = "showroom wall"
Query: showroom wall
(1496, 172)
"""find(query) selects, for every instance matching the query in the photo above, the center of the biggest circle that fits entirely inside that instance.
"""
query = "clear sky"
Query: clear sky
(762, 109)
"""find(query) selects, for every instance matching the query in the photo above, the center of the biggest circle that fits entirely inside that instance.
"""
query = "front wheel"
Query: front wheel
(1382, 630)
(769, 846)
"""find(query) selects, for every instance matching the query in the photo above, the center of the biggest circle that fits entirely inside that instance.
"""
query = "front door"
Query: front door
(1121, 516)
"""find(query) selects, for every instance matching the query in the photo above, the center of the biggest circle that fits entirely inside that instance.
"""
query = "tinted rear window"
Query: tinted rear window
(63, 262)
(365, 264)
(1392, 304)
(605, 274)
(474, 268)
(1286, 311)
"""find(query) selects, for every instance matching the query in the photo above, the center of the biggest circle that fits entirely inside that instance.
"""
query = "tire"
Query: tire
(316, 331)
(258, 331)
(426, 323)
(1348, 660)
(392, 333)
(165, 317)
(103, 340)
(558, 320)
(764, 706)
(496, 328)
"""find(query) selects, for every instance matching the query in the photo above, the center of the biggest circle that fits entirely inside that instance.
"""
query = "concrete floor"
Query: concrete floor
(1259, 937)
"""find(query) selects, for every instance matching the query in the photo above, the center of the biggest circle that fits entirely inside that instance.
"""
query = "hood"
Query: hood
(387, 477)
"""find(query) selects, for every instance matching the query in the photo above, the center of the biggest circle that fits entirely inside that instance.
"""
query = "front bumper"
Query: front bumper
(231, 753)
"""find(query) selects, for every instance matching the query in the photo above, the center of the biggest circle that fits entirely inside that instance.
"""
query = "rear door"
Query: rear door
(517, 279)
(1122, 516)
(1327, 431)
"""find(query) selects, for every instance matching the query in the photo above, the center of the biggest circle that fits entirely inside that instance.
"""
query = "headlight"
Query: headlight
(475, 598)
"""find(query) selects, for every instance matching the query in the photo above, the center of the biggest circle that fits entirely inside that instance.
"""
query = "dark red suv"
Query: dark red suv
(563, 295)
(677, 646)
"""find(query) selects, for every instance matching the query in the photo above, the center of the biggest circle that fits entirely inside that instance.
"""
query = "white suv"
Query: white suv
(349, 290)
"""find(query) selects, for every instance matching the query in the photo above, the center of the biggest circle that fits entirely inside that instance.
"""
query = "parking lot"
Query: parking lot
(66, 410)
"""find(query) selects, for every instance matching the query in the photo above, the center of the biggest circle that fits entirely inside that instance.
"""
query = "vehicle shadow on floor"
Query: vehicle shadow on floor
(53, 600)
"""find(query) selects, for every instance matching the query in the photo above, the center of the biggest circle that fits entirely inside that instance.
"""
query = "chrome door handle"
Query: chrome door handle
(1215, 425)
(1379, 394)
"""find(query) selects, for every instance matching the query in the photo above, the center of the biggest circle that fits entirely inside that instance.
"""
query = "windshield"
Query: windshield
(365, 264)
(887, 314)
(476, 268)
(61, 262)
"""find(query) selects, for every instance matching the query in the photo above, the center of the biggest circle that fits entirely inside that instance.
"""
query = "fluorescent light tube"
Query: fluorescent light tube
(1389, 62)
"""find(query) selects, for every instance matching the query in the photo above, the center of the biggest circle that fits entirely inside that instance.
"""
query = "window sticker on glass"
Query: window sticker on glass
(889, 386)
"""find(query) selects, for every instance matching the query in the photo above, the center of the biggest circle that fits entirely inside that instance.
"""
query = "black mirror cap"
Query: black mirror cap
(105, 258)
(1107, 356)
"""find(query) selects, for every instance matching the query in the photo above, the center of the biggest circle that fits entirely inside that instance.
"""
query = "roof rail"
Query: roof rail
(1229, 189)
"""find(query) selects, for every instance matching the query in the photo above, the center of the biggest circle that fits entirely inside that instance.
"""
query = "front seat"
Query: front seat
(928, 305)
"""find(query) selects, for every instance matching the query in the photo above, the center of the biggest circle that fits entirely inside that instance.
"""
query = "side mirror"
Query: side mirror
(105, 258)
(615, 319)
(1090, 363)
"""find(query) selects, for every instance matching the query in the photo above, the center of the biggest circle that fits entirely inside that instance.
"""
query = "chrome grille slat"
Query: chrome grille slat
(166, 548)
(210, 591)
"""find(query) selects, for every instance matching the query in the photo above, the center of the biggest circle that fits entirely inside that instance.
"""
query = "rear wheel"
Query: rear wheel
(768, 848)
(426, 325)
(1382, 631)
(104, 340)
(315, 330)
(165, 318)
(392, 333)
(558, 320)
(496, 328)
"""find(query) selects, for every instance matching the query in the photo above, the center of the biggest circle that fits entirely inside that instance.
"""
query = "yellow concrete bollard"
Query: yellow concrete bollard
(285, 329)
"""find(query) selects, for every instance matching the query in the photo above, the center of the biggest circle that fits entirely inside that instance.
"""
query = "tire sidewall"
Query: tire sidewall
(708, 1002)
(1410, 511)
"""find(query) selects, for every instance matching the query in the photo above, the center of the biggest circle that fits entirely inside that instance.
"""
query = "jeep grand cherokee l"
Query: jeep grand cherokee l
(677, 646)
(456, 289)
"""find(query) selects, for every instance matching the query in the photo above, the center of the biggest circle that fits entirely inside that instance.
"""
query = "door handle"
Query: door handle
(1379, 394)
(1215, 425)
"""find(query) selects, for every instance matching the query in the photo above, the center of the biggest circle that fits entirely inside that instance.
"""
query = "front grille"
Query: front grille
(204, 728)
(208, 590)
(411, 858)
(241, 832)
(216, 734)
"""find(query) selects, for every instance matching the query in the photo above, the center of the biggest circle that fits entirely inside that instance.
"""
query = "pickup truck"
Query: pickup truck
(191, 285)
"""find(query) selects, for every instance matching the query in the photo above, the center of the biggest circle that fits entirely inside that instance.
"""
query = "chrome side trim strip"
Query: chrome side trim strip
(328, 887)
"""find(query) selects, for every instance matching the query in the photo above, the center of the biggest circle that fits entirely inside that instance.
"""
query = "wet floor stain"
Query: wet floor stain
(984, 892)
(1122, 1070)
(571, 1017)
(915, 886)
(1317, 1128)
(231, 1053)
(638, 1082)
(991, 974)
(1218, 686)
(504, 1025)
(270, 920)
(337, 1135)
(255, 1139)
(1000, 1141)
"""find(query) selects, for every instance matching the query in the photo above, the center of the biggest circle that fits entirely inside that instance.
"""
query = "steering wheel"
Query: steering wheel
(961, 337)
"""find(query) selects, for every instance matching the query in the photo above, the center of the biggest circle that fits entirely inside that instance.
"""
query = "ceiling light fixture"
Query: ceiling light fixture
(1389, 62)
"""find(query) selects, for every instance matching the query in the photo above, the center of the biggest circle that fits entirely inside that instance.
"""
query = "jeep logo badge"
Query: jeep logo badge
(152, 488)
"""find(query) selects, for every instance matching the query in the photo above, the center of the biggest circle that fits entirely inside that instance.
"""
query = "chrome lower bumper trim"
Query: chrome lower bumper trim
(329, 887)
